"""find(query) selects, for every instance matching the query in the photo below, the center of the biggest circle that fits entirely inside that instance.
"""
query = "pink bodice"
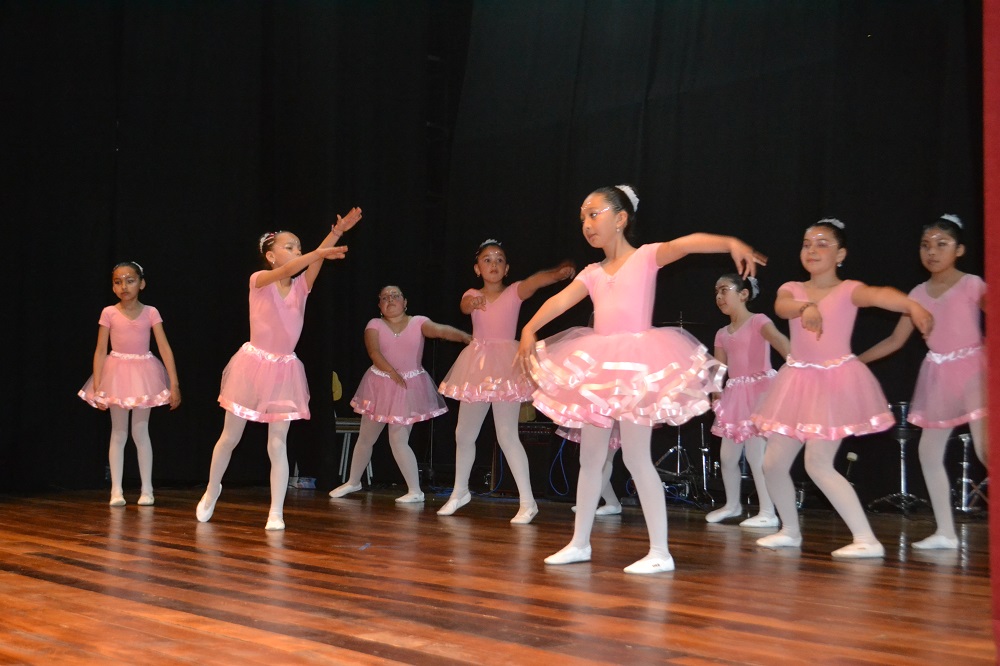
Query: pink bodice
(499, 320)
(130, 336)
(956, 314)
(276, 322)
(623, 302)
(404, 351)
(838, 313)
(747, 352)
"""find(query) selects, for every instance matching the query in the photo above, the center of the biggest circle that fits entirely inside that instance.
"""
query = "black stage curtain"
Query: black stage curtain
(174, 133)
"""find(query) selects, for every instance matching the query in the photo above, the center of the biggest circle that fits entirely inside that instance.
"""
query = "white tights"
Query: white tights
(399, 442)
(781, 453)
(232, 432)
(729, 462)
(933, 443)
(470, 422)
(638, 459)
(143, 447)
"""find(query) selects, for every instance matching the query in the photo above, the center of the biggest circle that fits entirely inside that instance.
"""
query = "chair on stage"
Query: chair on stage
(346, 428)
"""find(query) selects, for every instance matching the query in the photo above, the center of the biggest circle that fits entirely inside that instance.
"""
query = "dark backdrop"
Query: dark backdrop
(174, 133)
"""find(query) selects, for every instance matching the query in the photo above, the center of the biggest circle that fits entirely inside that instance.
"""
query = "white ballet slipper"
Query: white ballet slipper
(605, 510)
(651, 564)
(860, 549)
(761, 520)
(345, 489)
(936, 542)
(146, 499)
(725, 512)
(206, 507)
(275, 521)
(410, 498)
(569, 555)
(780, 540)
(454, 504)
(525, 515)
(117, 499)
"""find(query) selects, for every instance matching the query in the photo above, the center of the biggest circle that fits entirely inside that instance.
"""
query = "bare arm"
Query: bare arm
(296, 265)
(744, 256)
(720, 355)
(891, 344)
(100, 355)
(889, 298)
(777, 339)
(342, 226)
(472, 302)
(787, 306)
(431, 329)
(378, 360)
(167, 354)
(527, 287)
(571, 294)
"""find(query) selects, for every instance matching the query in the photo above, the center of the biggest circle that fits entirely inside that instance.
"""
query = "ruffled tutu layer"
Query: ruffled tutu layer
(575, 435)
(824, 402)
(383, 400)
(264, 387)
(949, 389)
(662, 375)
(735, 408)
(485, 372)
(129, 381)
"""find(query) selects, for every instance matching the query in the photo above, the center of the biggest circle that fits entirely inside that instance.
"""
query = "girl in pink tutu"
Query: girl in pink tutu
(745, 346)
(265, 381)
(623, 370)
(396, 391)
(949, 389)
(823, 393)
(130, 379)
(484, 375)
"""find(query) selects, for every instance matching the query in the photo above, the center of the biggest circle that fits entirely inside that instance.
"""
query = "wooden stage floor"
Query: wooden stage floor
(362, 580)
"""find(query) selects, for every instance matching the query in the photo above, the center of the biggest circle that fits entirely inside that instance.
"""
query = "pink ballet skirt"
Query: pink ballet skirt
(664, 375)
(826, 401)
(485, 372)
(383, 400)
(264, 387)
(131, 381)
(735, 408)
(949, 389)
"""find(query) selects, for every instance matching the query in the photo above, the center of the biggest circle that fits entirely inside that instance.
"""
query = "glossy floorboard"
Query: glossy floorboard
(362, 580)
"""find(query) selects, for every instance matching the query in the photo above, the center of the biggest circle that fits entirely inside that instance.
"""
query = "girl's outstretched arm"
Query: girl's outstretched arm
(167, 355)
(891, 344)
(472, 302)
(431, 329)
(527, 287)
(787, 306)
(892, 299)
(744, 256)
(571, 294)
(342, 226)
(100, 355)
(777, 339)
(296, 265)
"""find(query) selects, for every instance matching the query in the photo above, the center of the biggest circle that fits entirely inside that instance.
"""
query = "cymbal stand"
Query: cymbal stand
(971, 492)
(903, 500)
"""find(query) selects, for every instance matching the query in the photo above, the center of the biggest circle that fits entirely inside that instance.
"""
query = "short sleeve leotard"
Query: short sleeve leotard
(824, 391)
(949, 389)
(748, 355)
(132, 377)
(383, 400)
(265, 381)
(485, 370)
(623, 368)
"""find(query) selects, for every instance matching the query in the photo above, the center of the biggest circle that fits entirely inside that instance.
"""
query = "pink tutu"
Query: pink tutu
(130, 381)
(383, 400)
(574, 435)
(264, 387)
(661, 375)
(828, 401)
(734, 409)
(949, 389)
(485, 372)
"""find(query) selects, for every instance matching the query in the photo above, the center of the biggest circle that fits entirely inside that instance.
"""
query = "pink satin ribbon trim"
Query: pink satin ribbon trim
(751, 379)
(409, 374)
(248, 348)
(921, 422)
(804, 431)
(956, 355)
(825, 365)
(261, 417)
(100, 399)
(132, 357)
(364, 408)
